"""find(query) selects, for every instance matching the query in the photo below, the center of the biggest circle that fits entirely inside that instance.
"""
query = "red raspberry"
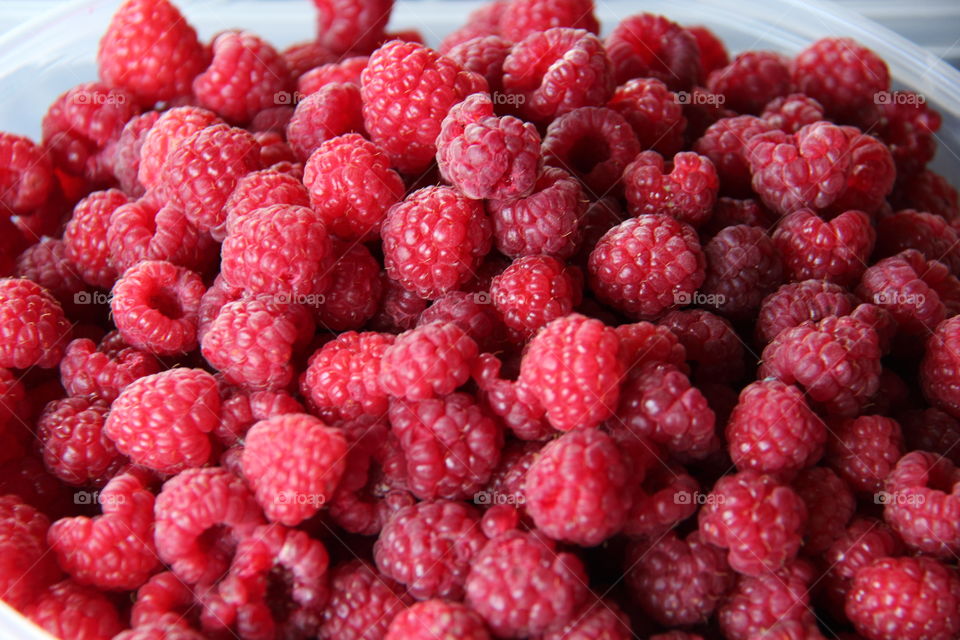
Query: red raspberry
(437, 619)
(44, 263)
(482, 21)
(658, 402)
(472, 312)
(154, 306)
(428, 547)
(923, 503)
(553, 72)
(743, 266)
(864, 450)
(161, 421)
(597, 620)
(270, 333)
(171, 128)
(355, 291)
(427, 362)
(342, 379)
(114, 550)
(75, 448)
(932, 430)
(399, 309)
(792, 112)
(35, 330)
(26, 175)
(687, 192)
(713, 53)
(150, 50)
(725, 144)
(678, 582)
(281, 250)
(484, 55)
(429, 85)
(126, 155)
(241, 409)
(518, 409)
(730, 211)
(347, 70)
(103, 370)
(836, 361)
(773, 430)
(26, 566)
(523, 587)
(572, 368)
(488, 157)
(759, 604)
(836, 251)
(258, 190)
(351, 186)
(590, 509)
(753, 79)
(600, 216)
(545, 222)
(304, 56)
(26, 477)
(70, 610)
(665, 497)
(201, 514)
(928, 233)
(533, 291)
(830, 505)
(333, 110)
(710, 342)
(85, 238)
(841, 74)
(348, 25)
(647, 265)
(759, 521)
(938, 371)
(793, 303)
(434, 240)
(909, 128)
(905, 599)
(521, 18)
(650, 46)
(919, 293)
(362, 603)
(654, 113)
(676, 635)
(450, 445)
(163, 631)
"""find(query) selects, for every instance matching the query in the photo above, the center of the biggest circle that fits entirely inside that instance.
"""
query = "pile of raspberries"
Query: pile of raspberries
(532, 335)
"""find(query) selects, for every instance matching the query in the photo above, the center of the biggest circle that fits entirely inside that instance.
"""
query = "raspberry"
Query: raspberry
(710, 342)
(725, 144)
(472, 313)
(159, 632)
(281, 250)
(773, 430)
(268, 333)
(591, 509)
(427, 362)
(759, 604)
(928, 233)
(409, 80)
(450, 445)
(362, 603)
(522, 587)
(687, 192)
(713, 53)
(665, 497)
(114, 550)
(545, 222)
(26, 568)
(202, 171)
(75, 449)
(348, 25)
(521, 18)
(428, 547)
(201, 514)
(44, 263)
(304, 56)
(678, 582)
(654, 113)
(161, 421)
(520, 412)
(932, 430)
(35, 330)
(241, 409)
(331, 111)
(794, 303)
(26, 477)
(155, 304)
(346, 70)
(126, 155)
(484, 55)
(150, 50)
(864, 450)
(70, 610)
(572, 368)
(908, 126)
(919, 293)
(342, 378)
(171, 128)
(792, 112)
(841, 74)
(835, 251)
(85, 238)
(487, 157)
(355, 290)
(905, 599)
(434, 240)
(597, 620)
(555, 71)
(437, 619)
(731, 211)
(836, 361)
(482, 21)
(759, 521)
(258, 190)
(924, 503)
(351, 186)
(163, 599)
(650, 46)
(645, 265)
(533, 291)
(928, 191)
(830, 505)
(600, 216)
(26, 175)
(751, 80)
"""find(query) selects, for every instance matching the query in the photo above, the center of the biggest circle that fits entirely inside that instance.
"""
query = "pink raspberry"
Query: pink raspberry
(471, 312)
(710, 342)
(437, 618)
(351, 186)
(864, 450)
(514, 405)
(70, 610)
(923, 503)
(355, 291)
(434, 240)
(521, 586)
(654, 112)
(792, 112)
(484, 55)
(545, 222)
(349, 25)
(346, 70)
(928, 233)
(26, 566)
(75, 448)
(429, 85)
(362, 603)
(85, 244)
(427, 362)
(333, 110)
(521, 18)
(830, 505)
(150, 50)
(35, 330)
(759, 604)
(725, 144)
(161, 421)
(126, 155)
(835, 251)
(533, 291)
(171, 128)
(793, 303)
(687, 192)
(646, 265)
(751, 80)
(26, 175)
(572, 368)
(258, 190)
(555, 71)
(642, 342)
(650, 46)
(758, 520)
